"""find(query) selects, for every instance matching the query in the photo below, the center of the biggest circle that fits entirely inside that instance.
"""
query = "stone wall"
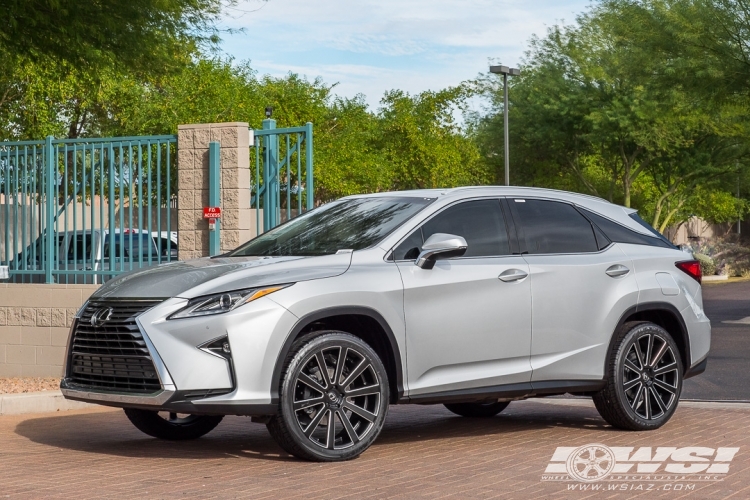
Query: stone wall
(34, 325)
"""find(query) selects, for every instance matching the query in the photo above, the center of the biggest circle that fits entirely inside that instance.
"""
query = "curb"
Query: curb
(716, 277)
(712, 405)
(38, 402)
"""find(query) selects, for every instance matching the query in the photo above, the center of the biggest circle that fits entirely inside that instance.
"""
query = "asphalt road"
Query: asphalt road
(727, 376)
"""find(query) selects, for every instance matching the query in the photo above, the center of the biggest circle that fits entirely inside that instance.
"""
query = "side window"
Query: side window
(554, 227)
(76, 247)
(409, 249)
(480, 222)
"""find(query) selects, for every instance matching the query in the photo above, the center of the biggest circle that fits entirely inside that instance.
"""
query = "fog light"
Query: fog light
(219, 347)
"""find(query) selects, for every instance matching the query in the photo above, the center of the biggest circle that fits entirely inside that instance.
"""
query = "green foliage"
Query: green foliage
(142, 35)
(411, 142)
(717, 207)
(642, 102)
(423, 143)
(613, 105)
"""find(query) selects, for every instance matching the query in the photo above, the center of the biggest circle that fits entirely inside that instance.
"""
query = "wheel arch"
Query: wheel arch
(362, 322)
(666, 316)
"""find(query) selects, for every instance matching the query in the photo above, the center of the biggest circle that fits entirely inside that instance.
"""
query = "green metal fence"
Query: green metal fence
(282, 181)
(85, 210)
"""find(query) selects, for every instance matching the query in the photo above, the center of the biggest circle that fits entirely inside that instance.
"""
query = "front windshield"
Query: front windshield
(351, 224)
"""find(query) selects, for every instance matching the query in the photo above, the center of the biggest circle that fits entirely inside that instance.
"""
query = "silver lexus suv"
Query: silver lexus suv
(468, 297)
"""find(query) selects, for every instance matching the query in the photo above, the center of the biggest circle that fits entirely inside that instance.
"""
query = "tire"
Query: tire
(172, 427)
(644, 378)
(476, 410)
(310, 393)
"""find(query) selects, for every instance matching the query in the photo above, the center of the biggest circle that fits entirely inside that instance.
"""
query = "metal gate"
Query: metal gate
(85, 210)
(282, 182)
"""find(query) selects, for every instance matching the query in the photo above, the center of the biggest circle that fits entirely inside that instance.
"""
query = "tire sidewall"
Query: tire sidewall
(625, 344)
(301, 355)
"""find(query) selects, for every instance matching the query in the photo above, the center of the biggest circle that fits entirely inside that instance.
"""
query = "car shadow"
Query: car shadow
(110, 433)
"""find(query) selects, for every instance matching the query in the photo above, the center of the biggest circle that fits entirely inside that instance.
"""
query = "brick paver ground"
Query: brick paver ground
(423, 452)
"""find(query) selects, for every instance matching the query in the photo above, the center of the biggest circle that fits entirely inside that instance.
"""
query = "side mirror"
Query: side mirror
(440, 246)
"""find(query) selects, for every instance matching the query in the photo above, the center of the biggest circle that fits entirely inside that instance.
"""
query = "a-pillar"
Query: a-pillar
(237, 222)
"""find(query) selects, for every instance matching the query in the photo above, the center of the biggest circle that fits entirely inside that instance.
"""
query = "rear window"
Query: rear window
(130, 245)
(621, 234)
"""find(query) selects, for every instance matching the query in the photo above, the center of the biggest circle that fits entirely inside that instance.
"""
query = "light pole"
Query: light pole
(505, 71)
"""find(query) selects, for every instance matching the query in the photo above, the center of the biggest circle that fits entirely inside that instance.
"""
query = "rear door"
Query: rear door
(466, 327)
(581, 284)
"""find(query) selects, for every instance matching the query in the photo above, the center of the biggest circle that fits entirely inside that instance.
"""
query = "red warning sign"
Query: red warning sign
(212, 212)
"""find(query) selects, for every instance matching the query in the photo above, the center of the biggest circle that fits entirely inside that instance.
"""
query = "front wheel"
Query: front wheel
(172, 426)
(644, 378)
(333, 400)
(476, 410)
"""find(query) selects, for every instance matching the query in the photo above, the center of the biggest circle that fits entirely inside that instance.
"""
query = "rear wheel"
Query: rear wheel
(172, 426)
(477, 410)
(644, 379)
(333, 400)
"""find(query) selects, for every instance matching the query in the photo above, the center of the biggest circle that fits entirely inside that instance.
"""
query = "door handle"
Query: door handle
(617, 270)
(512, 275)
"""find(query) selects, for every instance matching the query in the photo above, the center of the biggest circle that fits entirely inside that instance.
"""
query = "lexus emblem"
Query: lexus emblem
(100, 316)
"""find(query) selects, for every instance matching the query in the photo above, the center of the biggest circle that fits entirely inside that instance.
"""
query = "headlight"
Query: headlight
(222, 302)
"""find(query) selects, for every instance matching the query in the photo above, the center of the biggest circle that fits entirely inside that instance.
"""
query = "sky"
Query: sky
(370, 46)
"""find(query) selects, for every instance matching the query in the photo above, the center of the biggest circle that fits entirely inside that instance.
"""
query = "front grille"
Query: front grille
(111, 354)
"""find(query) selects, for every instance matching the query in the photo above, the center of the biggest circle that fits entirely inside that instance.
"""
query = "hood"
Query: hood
(193, 278)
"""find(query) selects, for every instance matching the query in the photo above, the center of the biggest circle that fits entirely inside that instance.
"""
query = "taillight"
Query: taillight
(690, 267)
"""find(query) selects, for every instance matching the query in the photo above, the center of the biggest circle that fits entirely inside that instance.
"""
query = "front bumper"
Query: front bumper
(172, 401)
(196, 381)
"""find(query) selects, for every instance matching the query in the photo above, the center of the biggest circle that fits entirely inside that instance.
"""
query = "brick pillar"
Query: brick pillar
(237, 221)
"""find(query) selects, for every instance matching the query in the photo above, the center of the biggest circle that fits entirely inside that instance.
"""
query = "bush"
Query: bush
(708, 268)
(727, 255)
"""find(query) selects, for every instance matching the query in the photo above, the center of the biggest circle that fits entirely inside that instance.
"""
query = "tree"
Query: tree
(423, 143)
(595, 110)
(141, 35)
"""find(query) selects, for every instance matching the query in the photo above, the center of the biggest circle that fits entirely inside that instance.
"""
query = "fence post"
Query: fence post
(270, 176)
(50, 239)
(214, 189)
(309, 188)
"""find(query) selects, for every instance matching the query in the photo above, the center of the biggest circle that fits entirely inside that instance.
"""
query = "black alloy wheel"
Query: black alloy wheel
(334, 398)
(644, 379)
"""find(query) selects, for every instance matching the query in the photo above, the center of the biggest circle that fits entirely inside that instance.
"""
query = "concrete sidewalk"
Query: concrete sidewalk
(37, 402)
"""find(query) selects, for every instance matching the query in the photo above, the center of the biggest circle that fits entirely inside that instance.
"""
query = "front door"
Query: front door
(468, 320)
